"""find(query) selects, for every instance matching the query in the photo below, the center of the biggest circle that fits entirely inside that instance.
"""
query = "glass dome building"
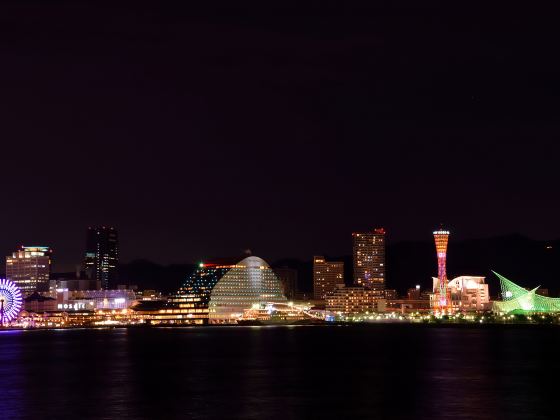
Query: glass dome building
(250, 282)
(219, 290)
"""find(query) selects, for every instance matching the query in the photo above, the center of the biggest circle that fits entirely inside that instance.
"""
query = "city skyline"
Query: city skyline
(140, 120)
(70, 256)
(478, 258)
(279, 210)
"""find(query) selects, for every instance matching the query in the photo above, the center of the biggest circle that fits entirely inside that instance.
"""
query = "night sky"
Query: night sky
(204, 131)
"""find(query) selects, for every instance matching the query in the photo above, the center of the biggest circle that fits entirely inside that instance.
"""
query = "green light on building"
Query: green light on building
(518, 300)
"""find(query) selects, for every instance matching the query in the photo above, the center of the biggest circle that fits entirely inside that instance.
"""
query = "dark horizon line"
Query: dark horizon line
(326, 254)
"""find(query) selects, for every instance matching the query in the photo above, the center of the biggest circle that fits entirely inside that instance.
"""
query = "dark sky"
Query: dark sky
(205, 131)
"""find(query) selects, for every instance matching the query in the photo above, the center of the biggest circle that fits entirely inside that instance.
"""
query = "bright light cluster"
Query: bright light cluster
(517, 299)
(10, 300)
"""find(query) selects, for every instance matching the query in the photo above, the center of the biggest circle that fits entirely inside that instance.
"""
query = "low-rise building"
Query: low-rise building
(416, 300)
(468, 293)
(391, 294)
(79, 300)
(346, 300)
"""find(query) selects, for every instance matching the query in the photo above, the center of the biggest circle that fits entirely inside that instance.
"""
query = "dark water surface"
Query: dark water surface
(369, 371)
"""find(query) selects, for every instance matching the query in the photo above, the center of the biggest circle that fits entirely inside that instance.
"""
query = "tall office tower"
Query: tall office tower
(326, 275)
(102, 255)
(29, 268)
(441, 291)
(369, 258)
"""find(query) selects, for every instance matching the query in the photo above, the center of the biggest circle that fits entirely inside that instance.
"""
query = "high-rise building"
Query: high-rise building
(29, 268)
(369, 258)
(326, 275)
(102, 255)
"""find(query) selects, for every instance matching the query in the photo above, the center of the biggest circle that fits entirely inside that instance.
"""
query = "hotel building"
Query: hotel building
(219, 292)
(29, 268)
(326, 275)
(347, 300)
(369, 258)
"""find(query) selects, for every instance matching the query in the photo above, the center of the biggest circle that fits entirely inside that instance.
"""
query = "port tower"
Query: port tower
(443, 295)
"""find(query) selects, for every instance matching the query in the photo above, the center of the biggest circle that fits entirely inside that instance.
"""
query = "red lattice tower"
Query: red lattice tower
(443, 295)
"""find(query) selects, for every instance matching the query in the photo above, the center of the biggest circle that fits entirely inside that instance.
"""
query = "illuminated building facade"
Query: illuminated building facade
(94, 299)
(250, 282)
(369, 258)
(220, 290)
(441, 298)
(348, 300)
(102, 255)
(78, 318)
(190, 304)
(281, 313)
(29, 268)
(326, 275)
(468, 293)
(518, 300)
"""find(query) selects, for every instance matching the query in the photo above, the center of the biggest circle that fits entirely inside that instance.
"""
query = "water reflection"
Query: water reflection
(377, 371)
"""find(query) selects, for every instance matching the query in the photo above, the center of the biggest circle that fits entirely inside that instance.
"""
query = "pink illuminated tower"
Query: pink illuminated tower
(443, 296)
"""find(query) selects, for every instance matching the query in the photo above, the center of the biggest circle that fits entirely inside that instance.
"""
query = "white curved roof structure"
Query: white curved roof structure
(250, 282)
(252, 262)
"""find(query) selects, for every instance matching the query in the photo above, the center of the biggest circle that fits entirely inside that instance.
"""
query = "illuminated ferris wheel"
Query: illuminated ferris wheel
(10, 301)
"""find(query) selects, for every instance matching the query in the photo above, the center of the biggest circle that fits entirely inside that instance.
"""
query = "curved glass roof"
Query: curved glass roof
(251, 281)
